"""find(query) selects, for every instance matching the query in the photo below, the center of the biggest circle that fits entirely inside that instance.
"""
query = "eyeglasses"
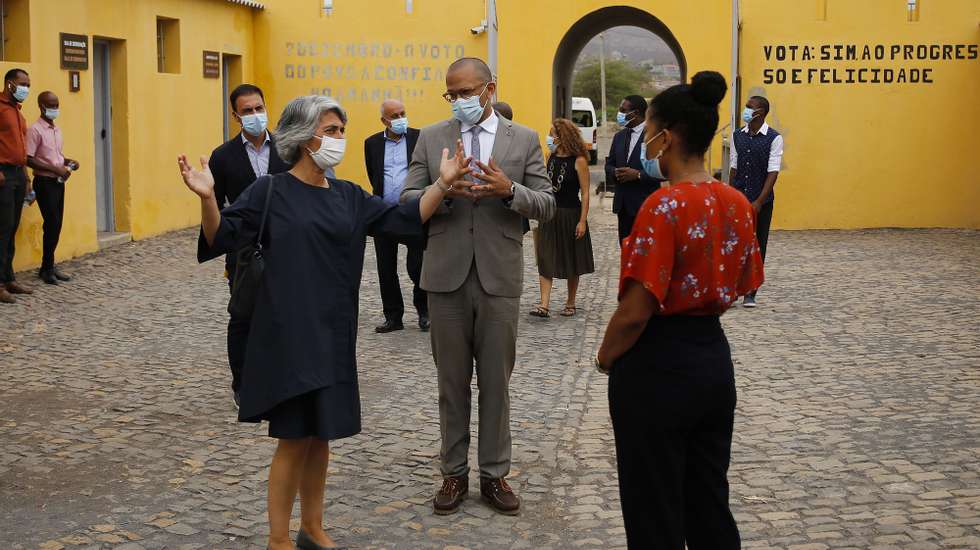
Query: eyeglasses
(465, 94)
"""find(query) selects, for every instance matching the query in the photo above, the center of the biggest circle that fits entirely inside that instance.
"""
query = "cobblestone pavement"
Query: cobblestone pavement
(857, 423)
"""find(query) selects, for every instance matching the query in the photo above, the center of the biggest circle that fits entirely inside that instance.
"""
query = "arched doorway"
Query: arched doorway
(588, 27)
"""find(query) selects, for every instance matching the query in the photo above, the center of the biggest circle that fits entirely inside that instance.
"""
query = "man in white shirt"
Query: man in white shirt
(623, 166)
(235, 164)
(757, 155)
(472, 272)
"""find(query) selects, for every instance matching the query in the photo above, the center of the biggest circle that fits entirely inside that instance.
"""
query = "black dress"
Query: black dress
(560, 255)
(300, 371)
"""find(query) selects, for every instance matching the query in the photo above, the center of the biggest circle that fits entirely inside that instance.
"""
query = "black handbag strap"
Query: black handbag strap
(265, 213)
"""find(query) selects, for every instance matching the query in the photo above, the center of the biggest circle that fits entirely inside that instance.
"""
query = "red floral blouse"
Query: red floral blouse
(693, 246)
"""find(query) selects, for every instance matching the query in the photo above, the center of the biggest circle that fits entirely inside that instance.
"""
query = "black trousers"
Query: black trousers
(762, 223)
(625, 220)
(51, 201)
(391, 291)
(672, 402)
(237, 335)
(12, 192)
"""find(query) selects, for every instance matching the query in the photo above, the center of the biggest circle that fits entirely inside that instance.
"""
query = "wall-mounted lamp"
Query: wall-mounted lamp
(327, 7)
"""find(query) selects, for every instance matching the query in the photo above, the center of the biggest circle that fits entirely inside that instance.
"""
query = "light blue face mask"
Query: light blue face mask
(622, 119)
(652, 166)
(552, 143)
(51, 114)
(400, 125)
(255, 124)
(21, 93)
(747, 115)
(469, 110)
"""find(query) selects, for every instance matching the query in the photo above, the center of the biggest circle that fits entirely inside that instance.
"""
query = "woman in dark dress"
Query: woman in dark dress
(563, 245)
(300, 372)
(691, 254)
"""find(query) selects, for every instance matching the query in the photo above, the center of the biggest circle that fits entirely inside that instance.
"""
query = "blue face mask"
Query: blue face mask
(255, 124)
(652, 166)
(747, 115)
(552, 143)
(400, 125)
(469, 110)
(51, 114)
(21, 93)
(622, 119)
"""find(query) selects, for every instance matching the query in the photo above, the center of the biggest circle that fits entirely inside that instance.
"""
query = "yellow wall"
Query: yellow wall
(858, 155)
(364, 41)
(165, 113)
(870, 155)
(530, 33)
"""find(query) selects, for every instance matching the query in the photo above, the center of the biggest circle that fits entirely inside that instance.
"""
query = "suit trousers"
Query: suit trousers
(468, 324)
(237, 335)
(12, 192)
(51, 201)
(386, 251)
(762, 222)
(625, 223)
(672, 403)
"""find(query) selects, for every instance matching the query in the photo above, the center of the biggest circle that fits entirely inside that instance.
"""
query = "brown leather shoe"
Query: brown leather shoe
(16, 288)
(6, 297)
(451, 495)
(498, 494)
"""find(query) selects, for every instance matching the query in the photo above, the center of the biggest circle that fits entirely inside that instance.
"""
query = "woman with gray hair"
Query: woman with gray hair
(300, 372)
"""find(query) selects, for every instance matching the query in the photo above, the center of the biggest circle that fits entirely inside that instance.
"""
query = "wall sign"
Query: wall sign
(859, 63)
(370, 72)
(212, 64)
(74, 81)
(74, 51)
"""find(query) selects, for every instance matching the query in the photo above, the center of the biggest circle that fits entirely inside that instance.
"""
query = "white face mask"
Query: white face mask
(330, 153)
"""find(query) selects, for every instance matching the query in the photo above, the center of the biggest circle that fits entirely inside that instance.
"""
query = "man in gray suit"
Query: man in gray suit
(473, 273)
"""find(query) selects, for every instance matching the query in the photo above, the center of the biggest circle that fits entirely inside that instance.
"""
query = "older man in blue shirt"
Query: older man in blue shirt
(387, 155)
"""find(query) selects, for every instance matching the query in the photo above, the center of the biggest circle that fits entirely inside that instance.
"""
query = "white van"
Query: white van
(583, 115)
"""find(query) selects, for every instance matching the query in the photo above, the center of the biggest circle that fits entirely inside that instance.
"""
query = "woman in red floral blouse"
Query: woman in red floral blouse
(691, 254)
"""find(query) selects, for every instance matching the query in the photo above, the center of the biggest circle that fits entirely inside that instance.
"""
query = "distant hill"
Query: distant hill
(632, 43)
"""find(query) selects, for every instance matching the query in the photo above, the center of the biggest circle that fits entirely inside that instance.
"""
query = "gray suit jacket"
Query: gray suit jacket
(489, 232)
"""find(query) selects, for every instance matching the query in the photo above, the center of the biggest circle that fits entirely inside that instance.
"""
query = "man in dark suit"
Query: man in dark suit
(623, 165)
(387, 155)
(235, 165)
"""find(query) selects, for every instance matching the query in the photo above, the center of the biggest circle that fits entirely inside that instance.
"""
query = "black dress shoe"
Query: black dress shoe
(304, 542)
(48, 276)
(61, 276)
(389, 326)
(424, 323)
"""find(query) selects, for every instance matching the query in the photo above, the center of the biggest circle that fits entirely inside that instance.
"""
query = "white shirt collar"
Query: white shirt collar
(247, 142)
(762, 130)
(639, 127)
(489, 125)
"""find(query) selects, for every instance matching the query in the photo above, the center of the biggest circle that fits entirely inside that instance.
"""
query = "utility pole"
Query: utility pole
(602, 74)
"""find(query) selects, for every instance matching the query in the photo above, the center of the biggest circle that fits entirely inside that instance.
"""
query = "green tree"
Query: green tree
(623, 78)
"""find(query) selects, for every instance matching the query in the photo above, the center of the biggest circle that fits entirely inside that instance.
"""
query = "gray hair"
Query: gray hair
(299, 121)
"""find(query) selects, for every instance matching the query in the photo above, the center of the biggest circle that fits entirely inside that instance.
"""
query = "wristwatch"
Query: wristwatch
(599, 367)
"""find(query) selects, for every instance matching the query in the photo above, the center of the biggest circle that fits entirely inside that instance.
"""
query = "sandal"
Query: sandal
(569, 311)
(540, 311)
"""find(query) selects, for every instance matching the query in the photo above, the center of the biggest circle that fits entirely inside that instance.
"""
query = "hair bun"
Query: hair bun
(708, 88)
